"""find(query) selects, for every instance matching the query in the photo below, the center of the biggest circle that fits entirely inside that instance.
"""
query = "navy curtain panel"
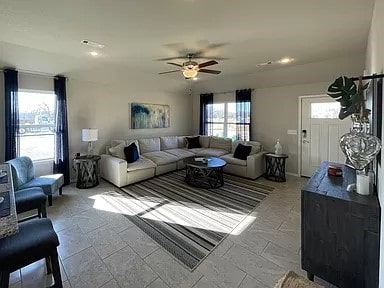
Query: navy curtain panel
(11, 114)
(206, 114)
(243, 114)
(61, 164)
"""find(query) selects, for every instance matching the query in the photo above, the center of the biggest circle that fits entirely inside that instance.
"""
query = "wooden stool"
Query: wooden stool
(35, 240)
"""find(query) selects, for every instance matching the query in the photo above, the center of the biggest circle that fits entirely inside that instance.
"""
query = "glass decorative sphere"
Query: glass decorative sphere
(360, 148)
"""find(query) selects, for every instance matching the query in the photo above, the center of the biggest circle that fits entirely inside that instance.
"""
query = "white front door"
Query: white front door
(320, 134)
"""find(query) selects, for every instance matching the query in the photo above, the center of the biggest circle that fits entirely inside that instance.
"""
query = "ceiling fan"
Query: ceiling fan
(191, 68)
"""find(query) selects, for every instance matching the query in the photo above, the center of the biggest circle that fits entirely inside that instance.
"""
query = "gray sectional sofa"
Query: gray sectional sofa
(159, 155)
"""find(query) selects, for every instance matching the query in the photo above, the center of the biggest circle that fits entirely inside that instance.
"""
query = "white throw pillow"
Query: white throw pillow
(182, 141)
(118, 151)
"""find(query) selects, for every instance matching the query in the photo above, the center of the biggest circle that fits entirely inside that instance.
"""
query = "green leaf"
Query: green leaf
(342, 89)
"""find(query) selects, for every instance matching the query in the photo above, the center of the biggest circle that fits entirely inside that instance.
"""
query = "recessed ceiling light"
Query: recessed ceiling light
(285, 60)
(94, 53)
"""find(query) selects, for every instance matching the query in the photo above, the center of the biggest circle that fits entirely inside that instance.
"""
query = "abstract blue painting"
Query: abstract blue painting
(146, 116)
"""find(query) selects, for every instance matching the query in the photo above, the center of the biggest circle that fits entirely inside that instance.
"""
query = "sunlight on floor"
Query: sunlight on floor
(156, 209)
(119, 204)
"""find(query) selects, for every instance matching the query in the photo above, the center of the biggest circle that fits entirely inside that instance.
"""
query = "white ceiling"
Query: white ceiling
(137, 32)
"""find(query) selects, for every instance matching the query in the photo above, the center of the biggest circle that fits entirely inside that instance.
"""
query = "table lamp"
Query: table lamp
(89, 135)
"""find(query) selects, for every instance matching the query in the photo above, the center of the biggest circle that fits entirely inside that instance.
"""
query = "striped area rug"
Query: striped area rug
(190, 222)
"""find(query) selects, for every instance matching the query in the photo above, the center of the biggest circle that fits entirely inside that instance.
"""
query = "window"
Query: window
(225, 122)
(37, 124)
(325, 110)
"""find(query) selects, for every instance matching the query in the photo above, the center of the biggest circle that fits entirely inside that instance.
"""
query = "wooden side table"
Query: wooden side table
(275, 167)
(87, 168)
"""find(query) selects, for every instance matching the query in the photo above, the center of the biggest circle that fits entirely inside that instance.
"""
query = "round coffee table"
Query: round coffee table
(204, 174)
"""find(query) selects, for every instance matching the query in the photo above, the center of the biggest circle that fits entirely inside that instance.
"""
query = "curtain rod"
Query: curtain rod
(227, 92)
(34, 73)
(369, 77)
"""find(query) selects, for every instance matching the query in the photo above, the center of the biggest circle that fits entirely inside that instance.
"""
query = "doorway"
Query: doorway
(320, 132)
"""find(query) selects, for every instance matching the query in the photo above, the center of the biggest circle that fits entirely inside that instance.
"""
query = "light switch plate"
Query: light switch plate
(292, 132)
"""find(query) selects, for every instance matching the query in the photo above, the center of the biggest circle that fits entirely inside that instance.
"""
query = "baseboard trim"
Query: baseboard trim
(292, 174)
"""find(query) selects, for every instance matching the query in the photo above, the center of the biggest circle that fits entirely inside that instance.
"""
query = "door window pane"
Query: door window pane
(37, 124)
(325, 110)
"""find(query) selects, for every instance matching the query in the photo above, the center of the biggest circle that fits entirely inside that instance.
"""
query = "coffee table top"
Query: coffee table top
(212, 162)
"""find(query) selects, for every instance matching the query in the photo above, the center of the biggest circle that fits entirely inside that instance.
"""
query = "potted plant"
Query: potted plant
(358, 146)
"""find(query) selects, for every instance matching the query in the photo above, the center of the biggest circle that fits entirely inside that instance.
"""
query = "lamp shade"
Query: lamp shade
(89, 135)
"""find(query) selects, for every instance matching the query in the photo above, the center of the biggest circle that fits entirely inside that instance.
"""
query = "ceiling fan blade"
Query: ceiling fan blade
(178, 65)
(211, 57)
(209, 71)
(169, 72)
(171, 58)
(208, 63)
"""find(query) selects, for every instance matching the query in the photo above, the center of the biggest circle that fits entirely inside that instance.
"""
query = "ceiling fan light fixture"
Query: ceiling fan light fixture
(190, 73)
(285, 60)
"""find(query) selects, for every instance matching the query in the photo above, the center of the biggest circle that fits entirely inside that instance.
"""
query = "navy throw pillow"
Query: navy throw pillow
(131, 153)
(242, 151)
(193, 142)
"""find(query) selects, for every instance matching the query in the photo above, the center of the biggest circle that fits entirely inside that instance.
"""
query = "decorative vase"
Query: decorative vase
(278, 148)
(360, 148)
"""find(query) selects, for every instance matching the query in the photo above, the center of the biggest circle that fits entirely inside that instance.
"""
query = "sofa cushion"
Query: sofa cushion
(242, 151)
(195, 150)
(256, 146)
(149, 145)
(140, 164)
(118, 151)
(232, 160)
(160, 157)
(182, 141)
(180, 153)
(117, 142)
(193, 142)
(129, 142)
(211, 152)
(204, 141)
(49, 183)
(169, 142)
(131, 153)
(221, 143)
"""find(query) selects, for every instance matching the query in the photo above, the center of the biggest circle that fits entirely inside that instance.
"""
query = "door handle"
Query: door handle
(305, 141)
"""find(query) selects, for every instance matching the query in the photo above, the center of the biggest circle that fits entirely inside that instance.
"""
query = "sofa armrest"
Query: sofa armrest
(113, 169)
(255, 165)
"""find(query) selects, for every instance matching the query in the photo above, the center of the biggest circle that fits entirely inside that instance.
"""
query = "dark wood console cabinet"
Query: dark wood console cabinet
(339, 231)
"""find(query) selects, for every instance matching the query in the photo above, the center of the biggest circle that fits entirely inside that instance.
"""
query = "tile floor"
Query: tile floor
(104, 249)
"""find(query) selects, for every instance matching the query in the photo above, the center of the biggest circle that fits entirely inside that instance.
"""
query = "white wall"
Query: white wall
(106, 107)
(375, 64)
(275, 99)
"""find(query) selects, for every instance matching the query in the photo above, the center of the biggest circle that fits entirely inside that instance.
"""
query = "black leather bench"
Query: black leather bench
(35, 240)
(30, 199)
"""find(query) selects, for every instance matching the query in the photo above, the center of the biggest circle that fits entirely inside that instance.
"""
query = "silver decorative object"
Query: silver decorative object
(360, 148)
